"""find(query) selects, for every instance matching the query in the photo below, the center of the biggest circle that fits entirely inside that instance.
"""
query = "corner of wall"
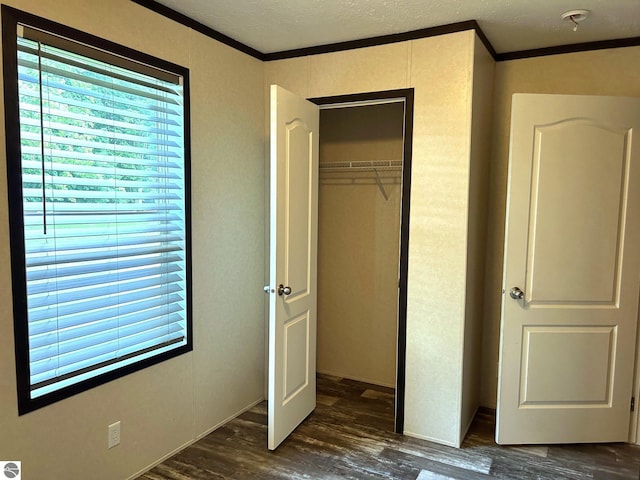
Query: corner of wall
(480, 151)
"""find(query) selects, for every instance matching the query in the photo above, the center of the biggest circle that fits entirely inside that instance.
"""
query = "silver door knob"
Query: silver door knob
(282, 290)
(516, 293)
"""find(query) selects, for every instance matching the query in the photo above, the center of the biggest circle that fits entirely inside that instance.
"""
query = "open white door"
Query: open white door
(571, 272)
(293, 262)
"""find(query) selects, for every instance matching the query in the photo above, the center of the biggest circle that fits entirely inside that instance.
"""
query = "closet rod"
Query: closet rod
(362, 165)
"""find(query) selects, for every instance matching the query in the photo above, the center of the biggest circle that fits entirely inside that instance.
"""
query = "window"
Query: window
(98, 179)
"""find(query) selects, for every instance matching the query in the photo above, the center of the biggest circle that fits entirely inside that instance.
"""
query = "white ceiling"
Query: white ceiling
(510, 25)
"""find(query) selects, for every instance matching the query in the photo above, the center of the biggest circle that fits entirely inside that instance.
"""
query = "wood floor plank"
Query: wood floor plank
(427, 475)
(468, 459)
(350, 436)
(448, 470)
(377, 394)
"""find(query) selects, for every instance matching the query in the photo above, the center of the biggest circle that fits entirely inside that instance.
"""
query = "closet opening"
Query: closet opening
(363, 238)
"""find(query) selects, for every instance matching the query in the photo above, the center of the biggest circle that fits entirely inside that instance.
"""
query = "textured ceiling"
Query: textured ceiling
(510, 25)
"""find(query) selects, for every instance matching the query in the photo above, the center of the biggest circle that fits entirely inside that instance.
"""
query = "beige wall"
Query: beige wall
(168, 405)
(602, 72)
(441, 71)
(483, 76)
(358, 244)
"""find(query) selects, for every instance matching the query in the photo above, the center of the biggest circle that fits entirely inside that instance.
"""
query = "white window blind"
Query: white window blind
(103, 187)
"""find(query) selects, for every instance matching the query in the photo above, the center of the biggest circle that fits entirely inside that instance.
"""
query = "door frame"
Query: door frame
(406, 96)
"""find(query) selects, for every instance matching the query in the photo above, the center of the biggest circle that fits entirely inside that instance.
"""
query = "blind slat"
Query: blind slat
(76, 348)
(57, 142)
(77, 360)
(69, 271)
(107, 333)
(84, 218)
(103, 303)
(151, 116)
(151, 127)
(164, 315)
(49, 126)
(111, 194)
(113, 171)
(118, 103)
(56, 70)
(35, 208)
(100, 242)
(92, 280)
(111, 289)
(101, 255)
(157, 228)
(112, 182)
(112, 315)
(113, 159)
(50, 54)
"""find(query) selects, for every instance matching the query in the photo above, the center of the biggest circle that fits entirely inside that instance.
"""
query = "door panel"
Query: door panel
(293, 258)
(296, 359)
(555, 357)
(567, 343)
(298, 202)
(569, 174)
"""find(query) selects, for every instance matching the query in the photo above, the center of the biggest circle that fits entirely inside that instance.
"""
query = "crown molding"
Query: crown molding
(572, 48)
(199, 27)
(384, 39)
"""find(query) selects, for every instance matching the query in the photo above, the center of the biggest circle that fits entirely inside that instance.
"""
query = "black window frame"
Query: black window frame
(11, 17)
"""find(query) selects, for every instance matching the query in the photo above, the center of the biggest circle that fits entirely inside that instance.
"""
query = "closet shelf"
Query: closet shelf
(361, 165)
(373, 165)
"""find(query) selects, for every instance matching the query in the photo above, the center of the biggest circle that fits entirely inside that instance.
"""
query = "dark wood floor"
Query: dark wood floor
(349, 436)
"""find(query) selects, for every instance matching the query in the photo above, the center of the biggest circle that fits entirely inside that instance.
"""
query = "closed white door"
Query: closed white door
(571, 271)
(293, 262)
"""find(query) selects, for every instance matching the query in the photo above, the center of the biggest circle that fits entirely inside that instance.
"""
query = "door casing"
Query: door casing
(371, 98)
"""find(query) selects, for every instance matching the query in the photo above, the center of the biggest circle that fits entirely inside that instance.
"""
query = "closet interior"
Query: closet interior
(359, 212)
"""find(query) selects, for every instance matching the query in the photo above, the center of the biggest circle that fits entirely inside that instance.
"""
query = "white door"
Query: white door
(571, 271)
(293, 254)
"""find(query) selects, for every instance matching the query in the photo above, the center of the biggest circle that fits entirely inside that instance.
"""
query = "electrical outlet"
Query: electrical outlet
(114, 434)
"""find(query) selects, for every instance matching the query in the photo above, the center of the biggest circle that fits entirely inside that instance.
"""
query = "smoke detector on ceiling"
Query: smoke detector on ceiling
(576, 17)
